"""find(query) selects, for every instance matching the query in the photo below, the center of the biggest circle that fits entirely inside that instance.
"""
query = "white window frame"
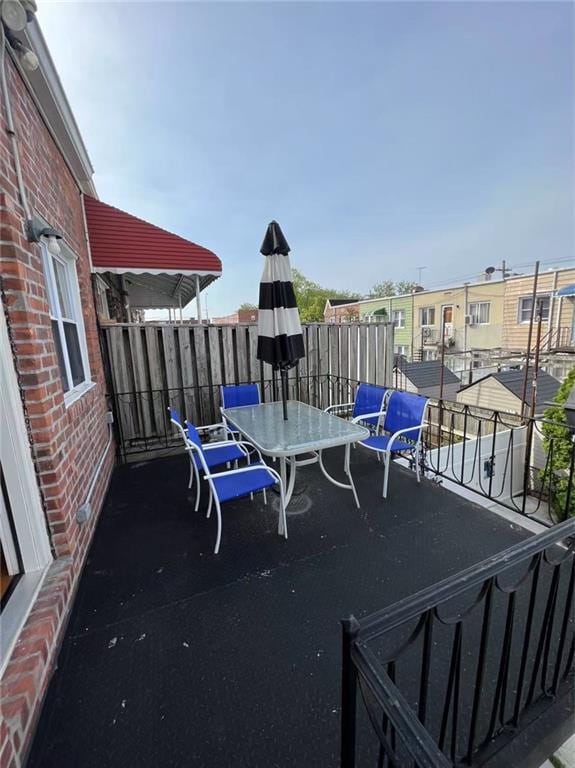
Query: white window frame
(426, 310)
(398, 318)
(539, 298)
(475, 312)
(429, 355)
(401, 349)
(68, 260)
(28, 534)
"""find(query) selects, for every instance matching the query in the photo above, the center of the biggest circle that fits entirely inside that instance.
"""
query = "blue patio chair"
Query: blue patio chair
(369, 400)
(236, 396)
(235, 483)
(222, 452)
(403, 418)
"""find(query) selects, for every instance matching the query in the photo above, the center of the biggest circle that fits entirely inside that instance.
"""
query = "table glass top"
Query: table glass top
(306, 429)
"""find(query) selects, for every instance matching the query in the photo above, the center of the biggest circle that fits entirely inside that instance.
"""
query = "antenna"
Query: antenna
(419, 271)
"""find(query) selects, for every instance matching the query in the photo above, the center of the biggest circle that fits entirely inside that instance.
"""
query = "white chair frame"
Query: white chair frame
(387, 453)
(282, 522)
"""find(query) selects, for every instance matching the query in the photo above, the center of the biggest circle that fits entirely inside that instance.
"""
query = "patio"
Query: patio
(174, 656)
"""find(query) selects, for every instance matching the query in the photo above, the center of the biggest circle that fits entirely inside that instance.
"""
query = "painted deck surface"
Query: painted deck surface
(176, 657)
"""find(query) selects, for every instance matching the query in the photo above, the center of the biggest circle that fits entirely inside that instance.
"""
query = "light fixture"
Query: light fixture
(27, 57)
(14, 15)
(37, 232)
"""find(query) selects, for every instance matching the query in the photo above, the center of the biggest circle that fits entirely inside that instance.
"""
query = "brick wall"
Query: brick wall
(67, 443)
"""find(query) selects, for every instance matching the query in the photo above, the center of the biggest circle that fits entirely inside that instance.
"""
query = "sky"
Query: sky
(382, 136)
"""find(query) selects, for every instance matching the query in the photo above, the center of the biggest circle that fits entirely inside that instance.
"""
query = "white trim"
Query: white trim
(16, 612)
(68, 261)
(147, 271)
(75, 394)
(16, 458)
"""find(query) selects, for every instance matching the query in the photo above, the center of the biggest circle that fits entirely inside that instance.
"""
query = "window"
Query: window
(480, 312)
(67, 321)
(401, 349)
(428, 354)
(427, 316)
(525, 304)
(398, 317)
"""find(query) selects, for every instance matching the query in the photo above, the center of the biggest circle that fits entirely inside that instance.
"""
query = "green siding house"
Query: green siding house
(396, 309)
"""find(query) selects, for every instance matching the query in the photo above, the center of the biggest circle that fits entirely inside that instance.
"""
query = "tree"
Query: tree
(311, 297)
(405, 286)
(247, 305)
(383, 289)
(557, 442)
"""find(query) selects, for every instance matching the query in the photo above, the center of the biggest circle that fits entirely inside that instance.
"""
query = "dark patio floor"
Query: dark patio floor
(176, 657)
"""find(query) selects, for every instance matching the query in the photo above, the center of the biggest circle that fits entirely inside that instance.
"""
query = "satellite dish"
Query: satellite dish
(490, 270)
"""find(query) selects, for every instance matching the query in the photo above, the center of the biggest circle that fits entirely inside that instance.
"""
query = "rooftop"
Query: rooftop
(174, 656)
(426, 373)
(514, 381)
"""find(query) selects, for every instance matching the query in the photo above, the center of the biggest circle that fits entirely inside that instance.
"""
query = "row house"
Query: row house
(473, 321)
(65, 259)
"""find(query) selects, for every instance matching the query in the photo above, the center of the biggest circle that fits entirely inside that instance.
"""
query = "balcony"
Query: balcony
(174, 656)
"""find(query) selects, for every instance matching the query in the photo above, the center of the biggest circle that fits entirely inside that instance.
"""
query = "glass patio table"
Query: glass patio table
(308, 430)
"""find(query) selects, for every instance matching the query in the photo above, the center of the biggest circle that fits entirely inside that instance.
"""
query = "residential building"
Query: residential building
(397, 310)
(57, 447)
(341, 310)
(557, 312)
(247, 316)
(462, 318)
(426, 378)
(503, 391)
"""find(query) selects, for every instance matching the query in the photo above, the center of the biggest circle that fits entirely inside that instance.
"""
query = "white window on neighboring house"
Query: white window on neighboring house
(427, 316)
(480, 312)
(525, 304)
(429, 354)
(102, 306)
(398, 317)
(401, 349)
(67, 320)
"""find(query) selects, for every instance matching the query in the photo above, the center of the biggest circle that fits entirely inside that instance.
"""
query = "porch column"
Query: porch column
(198, 300)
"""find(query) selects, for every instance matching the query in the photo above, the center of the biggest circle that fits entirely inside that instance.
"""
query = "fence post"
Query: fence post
(350, 630)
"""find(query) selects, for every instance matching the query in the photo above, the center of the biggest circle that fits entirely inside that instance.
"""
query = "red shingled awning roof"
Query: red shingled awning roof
(121, 243)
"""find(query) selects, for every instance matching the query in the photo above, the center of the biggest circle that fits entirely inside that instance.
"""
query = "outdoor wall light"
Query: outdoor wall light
(38, 232)
(27, 57)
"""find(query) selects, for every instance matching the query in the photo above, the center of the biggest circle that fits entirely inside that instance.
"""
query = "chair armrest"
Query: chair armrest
(403, 432)
(249, 468)
(241, 443)
(365, 416)
(337, 405)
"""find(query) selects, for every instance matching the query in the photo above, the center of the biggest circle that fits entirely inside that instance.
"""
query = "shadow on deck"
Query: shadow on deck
(174, 656)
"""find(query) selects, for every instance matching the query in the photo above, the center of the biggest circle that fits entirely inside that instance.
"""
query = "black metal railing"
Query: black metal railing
(449, 676)
(495, 455)
(509, 460)
(141, 417)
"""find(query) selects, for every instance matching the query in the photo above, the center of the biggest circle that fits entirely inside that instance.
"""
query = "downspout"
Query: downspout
(551, 308)
(84, 512)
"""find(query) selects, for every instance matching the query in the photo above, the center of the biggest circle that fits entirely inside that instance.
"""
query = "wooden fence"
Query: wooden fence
(150, 366)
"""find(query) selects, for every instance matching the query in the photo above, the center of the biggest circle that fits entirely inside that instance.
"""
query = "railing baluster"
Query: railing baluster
(542, 653)
(567, 615)
(350, 629)
(425, 666)
(483, 643)
(452, 692)
(526, 640)
(498, 711)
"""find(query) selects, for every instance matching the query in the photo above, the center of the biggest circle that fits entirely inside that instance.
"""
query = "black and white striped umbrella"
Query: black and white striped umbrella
(280, 339)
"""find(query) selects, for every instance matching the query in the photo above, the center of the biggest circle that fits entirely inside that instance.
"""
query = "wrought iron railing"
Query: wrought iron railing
(493, 455)
(449, 676)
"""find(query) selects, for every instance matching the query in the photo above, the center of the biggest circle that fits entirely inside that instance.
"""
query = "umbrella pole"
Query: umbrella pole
(284, 392)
